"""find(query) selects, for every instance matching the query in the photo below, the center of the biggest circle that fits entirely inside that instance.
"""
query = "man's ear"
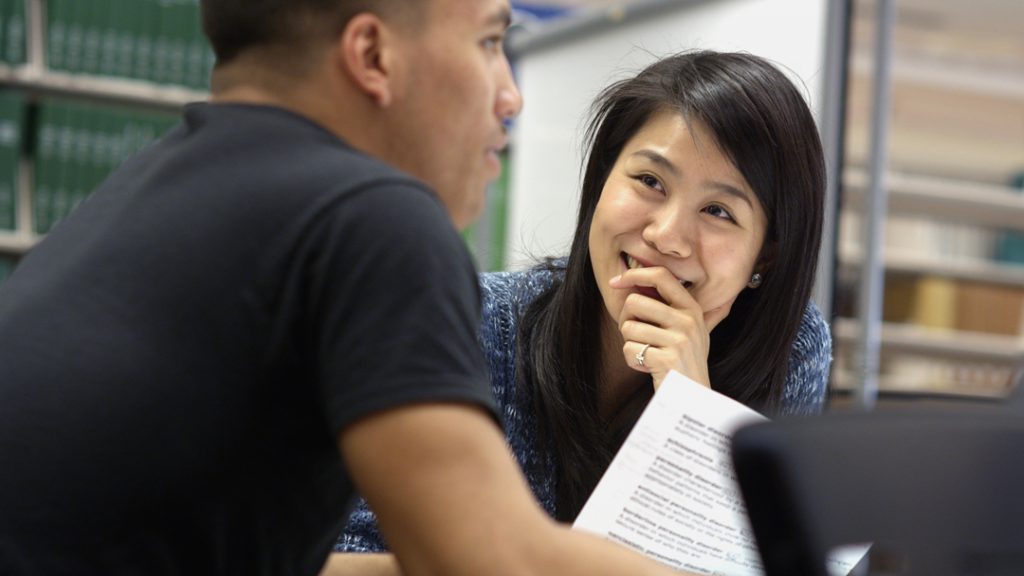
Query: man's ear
(364, 51)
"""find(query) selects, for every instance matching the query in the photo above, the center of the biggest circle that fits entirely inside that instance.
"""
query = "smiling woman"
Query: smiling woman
(694, 250)
(705, 168)
(677, 223)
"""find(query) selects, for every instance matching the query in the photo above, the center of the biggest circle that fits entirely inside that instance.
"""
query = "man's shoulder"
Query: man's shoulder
(283, 142)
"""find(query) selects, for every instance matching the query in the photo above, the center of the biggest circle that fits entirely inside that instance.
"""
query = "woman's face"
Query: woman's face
(674, 200)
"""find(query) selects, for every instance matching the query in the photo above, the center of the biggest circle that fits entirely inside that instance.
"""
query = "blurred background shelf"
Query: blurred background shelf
(953, 253)
(12, 243)
(979, 203)
(909, 262)
(41, 82)
(950, 344)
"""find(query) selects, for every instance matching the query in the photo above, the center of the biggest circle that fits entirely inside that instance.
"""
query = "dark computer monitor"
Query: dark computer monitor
(939, 490)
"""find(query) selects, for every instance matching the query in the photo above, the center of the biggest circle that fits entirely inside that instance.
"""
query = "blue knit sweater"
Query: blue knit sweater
(505, 298)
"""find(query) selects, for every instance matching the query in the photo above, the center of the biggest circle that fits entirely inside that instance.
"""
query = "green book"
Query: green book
(118, 143)
(162, 42)
(99, 153)
(74, 45)
(91, 152)
(12, 114)
(72, 172)
(47, 167)
(92, 36)
(87, 151)
(109, 37)
(110, 130)
(67, 173)
(126, 21)
(148, 23)
(110, 127)
(14, 33)
(148, 130)
(198, 74)
(57, 13)
(180, 33)
(130, 135)
(133, 134)
(118, 140)
(6, 7)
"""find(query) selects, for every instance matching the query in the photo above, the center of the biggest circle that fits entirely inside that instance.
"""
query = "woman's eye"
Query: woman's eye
(719, 212)
(650, 182)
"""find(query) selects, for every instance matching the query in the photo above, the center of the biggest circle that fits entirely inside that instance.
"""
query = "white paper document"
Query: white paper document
(670, 492)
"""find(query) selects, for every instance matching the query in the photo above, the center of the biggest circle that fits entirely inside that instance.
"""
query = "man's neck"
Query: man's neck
(316, 90)
(244, 82)
(312, 95)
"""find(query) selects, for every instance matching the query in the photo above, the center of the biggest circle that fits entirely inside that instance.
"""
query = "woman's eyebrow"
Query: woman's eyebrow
(660, 160)
(731, 190)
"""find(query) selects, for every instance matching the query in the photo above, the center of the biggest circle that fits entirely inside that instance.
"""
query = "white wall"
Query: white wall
(559, 81)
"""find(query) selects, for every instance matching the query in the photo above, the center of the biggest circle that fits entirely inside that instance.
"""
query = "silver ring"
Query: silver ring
(640, 356)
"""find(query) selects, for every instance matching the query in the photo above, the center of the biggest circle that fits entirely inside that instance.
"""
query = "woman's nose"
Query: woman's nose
(671, 232)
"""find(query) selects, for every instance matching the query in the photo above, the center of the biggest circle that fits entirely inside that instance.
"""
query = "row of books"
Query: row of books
(12, 121)
(942, 302)
(158, 41)
(75, 146)
(12, 32)
(928, 236)
(71, 147)
(927, 374)
(968, 305)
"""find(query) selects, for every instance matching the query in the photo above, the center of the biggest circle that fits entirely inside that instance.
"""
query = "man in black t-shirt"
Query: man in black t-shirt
(256, 316)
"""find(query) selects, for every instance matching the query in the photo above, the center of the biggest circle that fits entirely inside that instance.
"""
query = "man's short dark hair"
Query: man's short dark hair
(232, 26)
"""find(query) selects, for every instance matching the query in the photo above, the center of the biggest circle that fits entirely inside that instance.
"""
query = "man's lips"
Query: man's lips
(499, 144)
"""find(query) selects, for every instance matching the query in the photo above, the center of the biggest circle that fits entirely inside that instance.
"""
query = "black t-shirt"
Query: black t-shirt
(178, 357)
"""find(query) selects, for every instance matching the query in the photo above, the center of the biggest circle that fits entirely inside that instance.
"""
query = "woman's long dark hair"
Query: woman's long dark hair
(762, 123)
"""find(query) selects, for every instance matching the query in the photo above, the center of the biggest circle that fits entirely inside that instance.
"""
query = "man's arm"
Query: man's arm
(451, 500)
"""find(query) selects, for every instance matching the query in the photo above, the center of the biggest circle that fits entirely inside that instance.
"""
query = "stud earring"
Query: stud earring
(755, 281)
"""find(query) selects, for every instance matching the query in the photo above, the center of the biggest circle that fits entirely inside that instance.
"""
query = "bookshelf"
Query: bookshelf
(83, 85)
(953, 258)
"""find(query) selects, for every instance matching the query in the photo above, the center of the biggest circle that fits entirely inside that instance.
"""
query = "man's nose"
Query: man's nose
(510, 100)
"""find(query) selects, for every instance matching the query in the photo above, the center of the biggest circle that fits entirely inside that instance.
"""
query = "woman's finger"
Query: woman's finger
(657, 283)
